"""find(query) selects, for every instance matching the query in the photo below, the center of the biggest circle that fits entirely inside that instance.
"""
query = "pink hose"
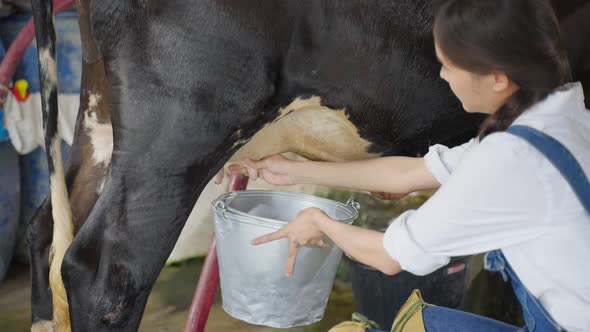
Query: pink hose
(19, 46)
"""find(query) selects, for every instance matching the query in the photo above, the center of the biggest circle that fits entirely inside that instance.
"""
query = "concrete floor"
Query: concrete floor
(168, 304)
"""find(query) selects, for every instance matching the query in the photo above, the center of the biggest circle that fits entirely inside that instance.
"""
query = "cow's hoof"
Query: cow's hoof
(42, 326)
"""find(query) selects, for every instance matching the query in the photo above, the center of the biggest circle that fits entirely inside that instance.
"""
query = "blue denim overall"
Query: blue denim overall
(536, 318)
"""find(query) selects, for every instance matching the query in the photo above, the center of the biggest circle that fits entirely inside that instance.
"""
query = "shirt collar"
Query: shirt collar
(561, 101)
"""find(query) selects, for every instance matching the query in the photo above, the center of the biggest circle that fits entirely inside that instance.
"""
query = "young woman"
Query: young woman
(498, 192)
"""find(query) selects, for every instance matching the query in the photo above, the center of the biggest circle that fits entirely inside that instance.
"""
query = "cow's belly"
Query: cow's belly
(309, 129)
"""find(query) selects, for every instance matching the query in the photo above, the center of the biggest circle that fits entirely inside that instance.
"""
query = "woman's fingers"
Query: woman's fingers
(257, 169)
(256, 164)
(218, 178)
(291, 258)
(254, 169)
(253, 173)
(237, 168)
(290, 268)
(268, 237)
(322, 244)
(269, 176)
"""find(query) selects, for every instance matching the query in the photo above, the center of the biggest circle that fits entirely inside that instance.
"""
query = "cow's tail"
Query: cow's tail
(63, 232)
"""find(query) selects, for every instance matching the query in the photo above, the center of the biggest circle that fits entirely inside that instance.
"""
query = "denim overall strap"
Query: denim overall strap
(535, 316)
(560, 157)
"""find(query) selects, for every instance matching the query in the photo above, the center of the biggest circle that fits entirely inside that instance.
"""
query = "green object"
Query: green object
(358, 317)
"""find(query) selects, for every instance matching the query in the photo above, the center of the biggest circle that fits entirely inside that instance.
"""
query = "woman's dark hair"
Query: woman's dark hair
(520, 38)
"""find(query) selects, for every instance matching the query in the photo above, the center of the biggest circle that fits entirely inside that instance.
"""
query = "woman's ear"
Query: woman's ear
(501, 82)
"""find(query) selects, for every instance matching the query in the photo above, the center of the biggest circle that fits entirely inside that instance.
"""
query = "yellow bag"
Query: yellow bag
(409, 317)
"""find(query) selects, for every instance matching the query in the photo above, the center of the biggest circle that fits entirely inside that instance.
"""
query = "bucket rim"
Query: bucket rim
(218, 206)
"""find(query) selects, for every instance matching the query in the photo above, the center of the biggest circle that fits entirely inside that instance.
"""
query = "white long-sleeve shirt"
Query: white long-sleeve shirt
(501, 193)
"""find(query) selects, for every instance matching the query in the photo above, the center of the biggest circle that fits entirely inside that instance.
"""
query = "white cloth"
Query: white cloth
(502, 193)
(24, 120)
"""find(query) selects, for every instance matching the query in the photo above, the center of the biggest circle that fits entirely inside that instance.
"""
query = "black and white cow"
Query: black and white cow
(171, 90)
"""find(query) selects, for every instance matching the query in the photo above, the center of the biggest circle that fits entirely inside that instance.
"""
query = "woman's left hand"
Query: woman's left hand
(301, 231)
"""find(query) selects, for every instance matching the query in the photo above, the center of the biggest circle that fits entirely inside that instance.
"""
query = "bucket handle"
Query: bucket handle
(223, 224)
(353, 203)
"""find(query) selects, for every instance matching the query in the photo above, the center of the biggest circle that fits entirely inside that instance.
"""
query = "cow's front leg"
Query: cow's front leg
(112, 264)
(163, 157)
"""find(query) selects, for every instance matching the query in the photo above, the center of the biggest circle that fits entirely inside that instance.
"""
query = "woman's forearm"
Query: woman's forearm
(386, 174)
(364, 245)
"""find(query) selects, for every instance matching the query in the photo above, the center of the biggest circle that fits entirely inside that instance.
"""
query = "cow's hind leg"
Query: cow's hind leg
(86, 169)
(39, 235)
(85, 179)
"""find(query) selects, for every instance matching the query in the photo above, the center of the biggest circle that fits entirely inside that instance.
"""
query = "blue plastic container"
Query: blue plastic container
(33, 166)
(9, 204)
(9, 194)
(3, 132)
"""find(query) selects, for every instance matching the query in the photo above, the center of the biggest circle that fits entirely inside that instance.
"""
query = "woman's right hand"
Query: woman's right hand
(275, 169)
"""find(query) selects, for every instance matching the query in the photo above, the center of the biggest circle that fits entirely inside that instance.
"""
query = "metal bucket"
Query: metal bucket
(254, 287)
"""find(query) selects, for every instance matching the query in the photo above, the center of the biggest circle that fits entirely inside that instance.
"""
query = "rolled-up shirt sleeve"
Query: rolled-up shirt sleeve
(408, 251)
(491, 201)
(442, 160)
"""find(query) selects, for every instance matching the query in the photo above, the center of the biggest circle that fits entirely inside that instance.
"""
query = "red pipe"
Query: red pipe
(209, 278)
(19, 46)
(204, 293)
